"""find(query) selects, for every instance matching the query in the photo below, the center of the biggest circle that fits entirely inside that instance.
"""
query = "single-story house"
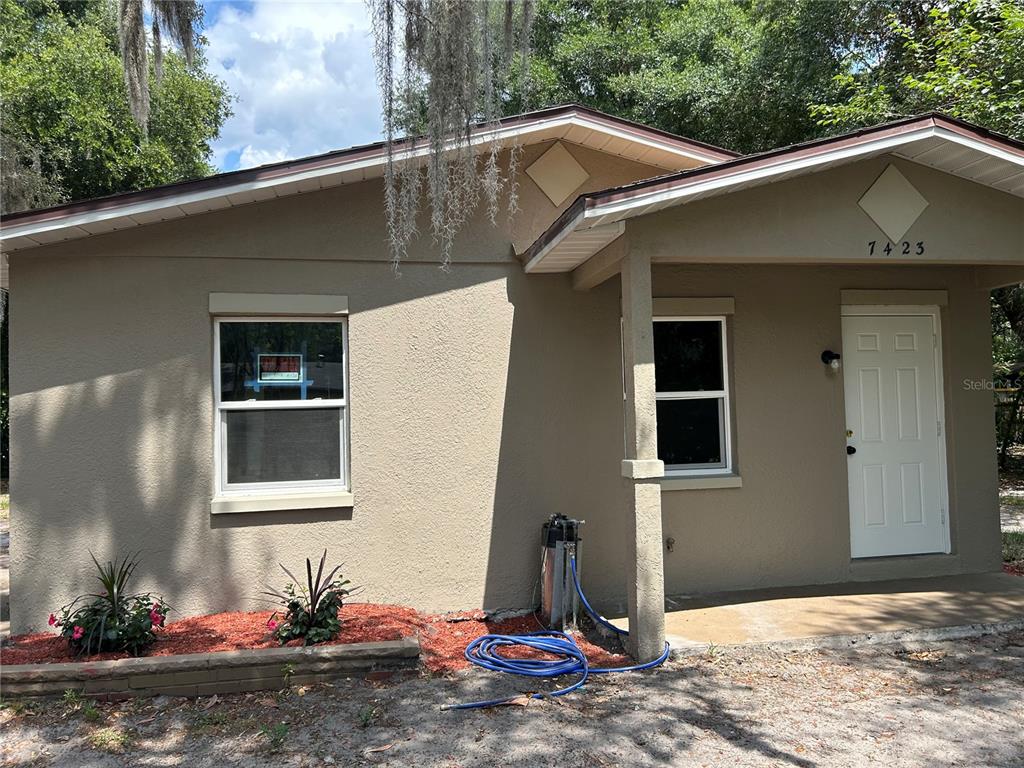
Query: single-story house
(740, 371)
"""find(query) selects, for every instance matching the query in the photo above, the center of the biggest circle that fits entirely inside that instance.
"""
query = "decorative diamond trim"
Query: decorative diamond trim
(893, 203)
(557, 173)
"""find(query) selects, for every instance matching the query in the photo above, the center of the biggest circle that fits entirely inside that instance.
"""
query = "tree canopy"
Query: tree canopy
(965, 59)
(752, 75)
(68, 130)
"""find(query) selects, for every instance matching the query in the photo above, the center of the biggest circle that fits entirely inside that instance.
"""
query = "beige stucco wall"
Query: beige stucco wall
(788, 523)
(466, 385)
(815, 218)
(482, 400)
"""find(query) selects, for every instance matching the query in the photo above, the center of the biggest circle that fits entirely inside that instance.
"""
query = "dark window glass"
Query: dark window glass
(281, 361)
(283, 445)
(689, 432)
(688, 356)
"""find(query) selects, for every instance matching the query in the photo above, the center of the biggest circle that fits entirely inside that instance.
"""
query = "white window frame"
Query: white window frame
(725, 422)
(222, 408)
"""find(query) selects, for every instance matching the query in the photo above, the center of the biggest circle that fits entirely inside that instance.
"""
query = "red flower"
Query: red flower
(77, 633)
(271, 625)
(53, 620)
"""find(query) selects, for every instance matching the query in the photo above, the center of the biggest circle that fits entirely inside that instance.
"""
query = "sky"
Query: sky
(302, 72)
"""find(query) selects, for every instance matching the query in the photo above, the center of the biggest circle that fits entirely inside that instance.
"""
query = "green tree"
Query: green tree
(965, 59)
(738, 73)
(69, 132)
(1008, 363)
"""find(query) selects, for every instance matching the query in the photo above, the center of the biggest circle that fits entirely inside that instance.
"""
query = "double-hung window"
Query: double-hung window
(282, 404)
(692, 386)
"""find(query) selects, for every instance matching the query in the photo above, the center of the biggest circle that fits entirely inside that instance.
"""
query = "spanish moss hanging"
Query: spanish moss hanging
(444, 67)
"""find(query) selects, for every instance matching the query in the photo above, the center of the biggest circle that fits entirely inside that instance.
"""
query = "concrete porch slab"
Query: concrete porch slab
(891, 609)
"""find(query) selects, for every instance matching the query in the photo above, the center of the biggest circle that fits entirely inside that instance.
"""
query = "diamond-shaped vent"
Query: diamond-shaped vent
(557, 173)
(893, 203)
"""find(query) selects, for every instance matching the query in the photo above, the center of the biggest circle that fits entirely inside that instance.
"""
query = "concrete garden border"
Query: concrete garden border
(202, 674)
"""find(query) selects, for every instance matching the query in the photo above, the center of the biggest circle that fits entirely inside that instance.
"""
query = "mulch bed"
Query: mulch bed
(443, 637)
(1014, 569)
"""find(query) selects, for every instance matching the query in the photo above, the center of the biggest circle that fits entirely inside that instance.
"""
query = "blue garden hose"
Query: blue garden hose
(485, 652)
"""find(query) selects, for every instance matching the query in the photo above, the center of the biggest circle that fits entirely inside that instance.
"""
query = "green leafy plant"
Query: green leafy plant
(208, 722)
(275, 735)
(114, 740)
(113, 619)
(72, 698)
(19, 707)
(1013, 549)
(77, 703)
(309, 613)
(367, 715)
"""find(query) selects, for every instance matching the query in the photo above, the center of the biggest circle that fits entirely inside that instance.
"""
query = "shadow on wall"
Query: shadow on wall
(561, 440)
(150, 506)
(119, 412)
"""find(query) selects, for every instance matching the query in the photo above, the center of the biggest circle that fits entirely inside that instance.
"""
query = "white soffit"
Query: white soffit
(577, 246)
(573, 125)
(995, 165)
(557, 173)
(893, 203)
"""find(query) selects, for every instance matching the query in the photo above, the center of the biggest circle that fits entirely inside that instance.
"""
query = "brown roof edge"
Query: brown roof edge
(808, 148)
(579, 205)
(314, 162)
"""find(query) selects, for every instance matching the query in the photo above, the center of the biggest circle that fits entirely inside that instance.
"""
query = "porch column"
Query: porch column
(641, 468)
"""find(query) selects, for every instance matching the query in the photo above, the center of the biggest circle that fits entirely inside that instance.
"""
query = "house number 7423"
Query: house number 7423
(902, 249)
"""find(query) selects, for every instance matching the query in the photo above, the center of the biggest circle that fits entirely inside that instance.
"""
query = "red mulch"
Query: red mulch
(443, 638)
(1014, 569)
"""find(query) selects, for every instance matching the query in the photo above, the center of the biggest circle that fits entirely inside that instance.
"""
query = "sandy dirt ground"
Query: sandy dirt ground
(950, 704)
(1011, 513)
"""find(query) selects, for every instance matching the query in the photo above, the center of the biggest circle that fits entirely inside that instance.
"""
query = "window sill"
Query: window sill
(279, 502)
(700, 482)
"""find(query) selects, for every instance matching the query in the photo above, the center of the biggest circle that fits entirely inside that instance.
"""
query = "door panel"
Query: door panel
(892, 415)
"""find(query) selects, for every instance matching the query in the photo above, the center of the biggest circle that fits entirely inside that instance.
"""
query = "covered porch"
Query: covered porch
(846, 614)
(881, 246)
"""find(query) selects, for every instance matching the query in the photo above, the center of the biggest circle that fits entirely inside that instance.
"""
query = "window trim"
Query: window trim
(722, 395)
(223, 489)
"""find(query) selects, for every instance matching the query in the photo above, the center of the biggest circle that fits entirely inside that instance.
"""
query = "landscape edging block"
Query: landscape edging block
(201, 673)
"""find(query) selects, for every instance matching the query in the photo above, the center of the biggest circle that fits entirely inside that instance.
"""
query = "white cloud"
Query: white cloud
(303, 75)
(251, 156)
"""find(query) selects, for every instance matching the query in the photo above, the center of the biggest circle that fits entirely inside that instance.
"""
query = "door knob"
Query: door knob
(850, 450)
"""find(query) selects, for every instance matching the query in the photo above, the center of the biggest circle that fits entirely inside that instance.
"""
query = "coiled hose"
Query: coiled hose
(485, 652)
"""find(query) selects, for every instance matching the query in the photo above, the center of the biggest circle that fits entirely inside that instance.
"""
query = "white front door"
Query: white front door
(894, 434)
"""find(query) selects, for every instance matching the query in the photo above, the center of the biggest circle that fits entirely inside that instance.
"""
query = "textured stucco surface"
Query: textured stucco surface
(645, 583)
(467, 388)
(815, 218)
(788, 523)
(483, 400)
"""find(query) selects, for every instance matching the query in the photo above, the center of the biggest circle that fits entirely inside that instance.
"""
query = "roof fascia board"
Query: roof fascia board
(980, 145)
(731, 177)
(563, 233)
(500, 133)
(622, 203)
(691, 152)
(184, 198)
